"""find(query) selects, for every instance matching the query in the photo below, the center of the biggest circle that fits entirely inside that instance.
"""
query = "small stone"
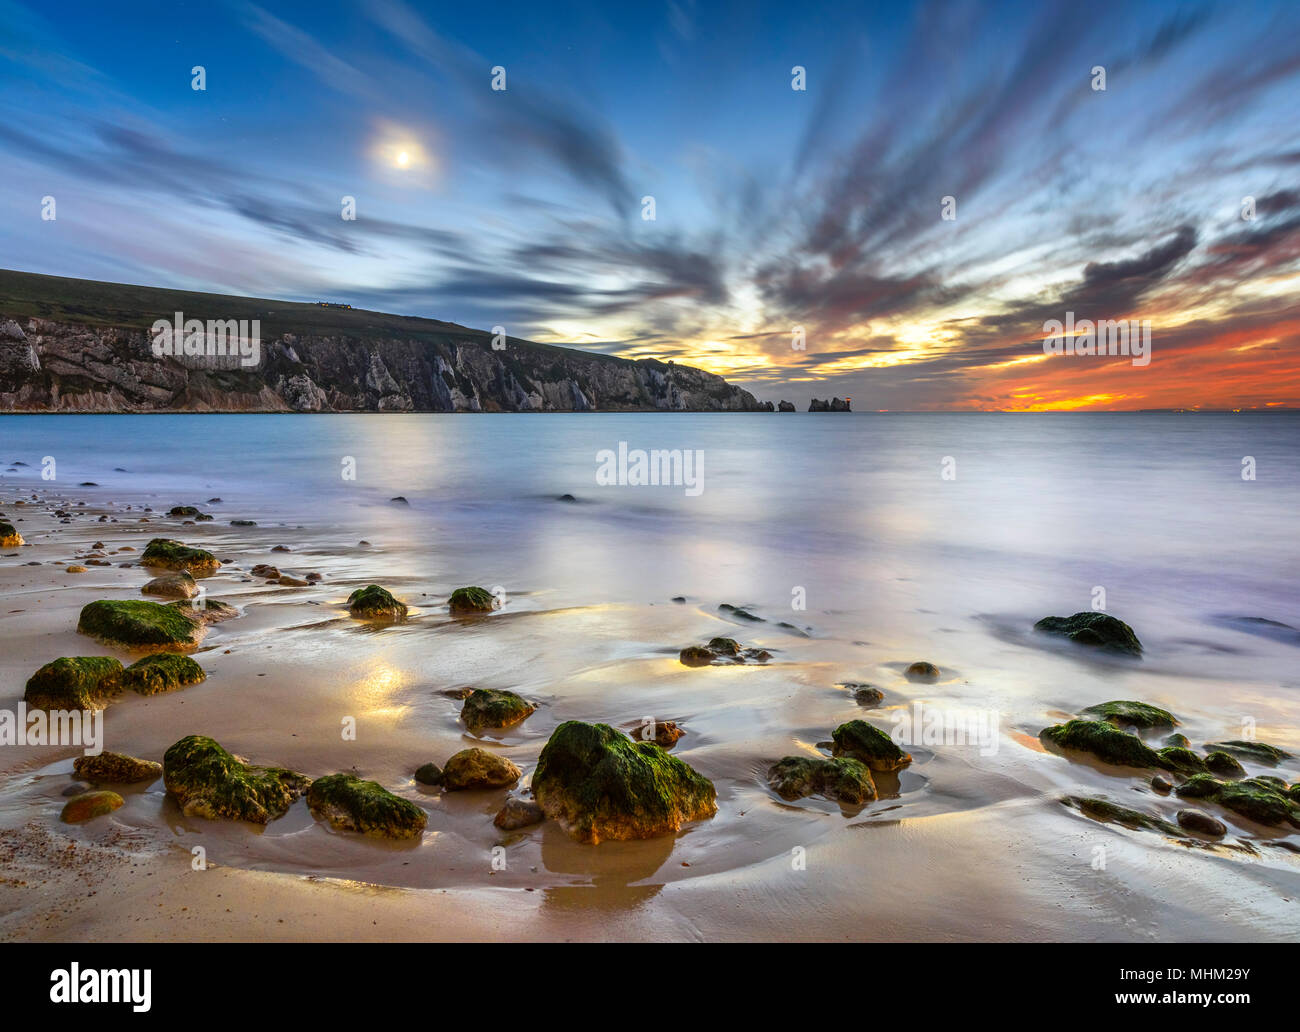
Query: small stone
(1196, 820)
(89, 805)
(1161, 784)
(478, 768)
(518, 813)
(429, 774)
(922, 671)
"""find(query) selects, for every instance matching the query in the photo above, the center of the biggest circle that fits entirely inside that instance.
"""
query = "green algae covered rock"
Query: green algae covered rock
(467, 601)
(844, 779)
(206, 781)
(478, 768)
(1260, 752)
(350, 804)
(139, 625)
(600, 785)
(1184, 761)
(88, 805)
(1224, 764)
(110, 768)
(1133, 714)
(1104, 810)
(375, 603)
(721, 651)
(1263, 800)
(9, 537)
(162, 672)
(491, 708)
(74, 683)
(205, 611)
(1104, 741)
(1179, 741)
(1098, 630)
(864, 742)
(174, 555)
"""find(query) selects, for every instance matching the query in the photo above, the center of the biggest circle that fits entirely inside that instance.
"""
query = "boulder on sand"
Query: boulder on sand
(350, 804)
(487, 708)
(174, 555)
(864, 742)
(1098, 630)
(74, 683)
(139, 625)
(110, 768)
(478, 768)
(206, 781)
(375, 603)
(843, 779)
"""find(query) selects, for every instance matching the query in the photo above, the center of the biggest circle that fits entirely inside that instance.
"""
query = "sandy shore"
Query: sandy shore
(962, 847)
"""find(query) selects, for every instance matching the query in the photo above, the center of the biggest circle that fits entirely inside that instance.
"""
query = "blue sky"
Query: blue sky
(774, 208)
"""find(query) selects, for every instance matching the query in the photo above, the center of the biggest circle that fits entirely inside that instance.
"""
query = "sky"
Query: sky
(799, 245)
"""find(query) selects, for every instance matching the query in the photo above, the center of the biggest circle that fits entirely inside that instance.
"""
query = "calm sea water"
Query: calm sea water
(850, 513)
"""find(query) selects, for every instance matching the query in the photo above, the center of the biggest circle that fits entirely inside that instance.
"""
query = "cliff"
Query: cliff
(83, 346)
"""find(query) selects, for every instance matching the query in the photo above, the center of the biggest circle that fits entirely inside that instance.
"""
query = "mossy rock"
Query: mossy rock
(1178, 741)
(375, 603)
(74, 683)
(468, 601)
(1224, 764)
(1132, 714)
(844, 779)
(721, 651)
(1104, 741)
(1112, 813)
(112, 768)
(600, 785)
(492, 708)
(164, 672)
(206, 781)
(1183, 761)
(1260, 752)
(1259, 799)
(140, 625)
(350, 804)
(89, 805)
(184, 510)
(922, 671)
(9, 536)
(175, 555)
(478, 768)
(865, 742)
(1097, 630)
(208, 610)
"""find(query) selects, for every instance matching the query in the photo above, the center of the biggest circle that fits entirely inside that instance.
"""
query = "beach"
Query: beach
(839, 533)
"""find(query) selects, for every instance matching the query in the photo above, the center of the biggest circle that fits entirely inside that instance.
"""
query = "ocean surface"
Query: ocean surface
(862, 542)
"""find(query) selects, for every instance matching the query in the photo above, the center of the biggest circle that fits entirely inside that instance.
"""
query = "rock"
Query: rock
(478, 768)
(1195, 820)
(89, 805)
(467, 601)
(785, 406)
(429, 774)
(375, 603)
(1259, 799)
(293, 582)
(739, 613)
(243, 523)
(112, 768)
(601, 785)
(9, 537)
(183, 510)
(518, 813)
(679, 599)
(281, 548)
(666, 734)
(721, 651)
(834, 405)
(1161, 784)
(163, 672)
(845, 780)
(1257, 751)
(1177, 741)
(74, 683)
(1224, 764)
(1184, 761)
(492, 708)
(1104, 741)
(563, 498)
(172, 555)
(205, 611)
(1132, 714)
(265, 570)
(206, 781)
(172, 585)
(1099, 630)
(350, 804)
(870, 745)
(1112, 813)
(139, 625)
(460, 692)
(922, 671)
(399, 500)
(76, 568)
(864, 694)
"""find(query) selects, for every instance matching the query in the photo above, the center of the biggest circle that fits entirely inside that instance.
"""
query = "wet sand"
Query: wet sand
(960, 846)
